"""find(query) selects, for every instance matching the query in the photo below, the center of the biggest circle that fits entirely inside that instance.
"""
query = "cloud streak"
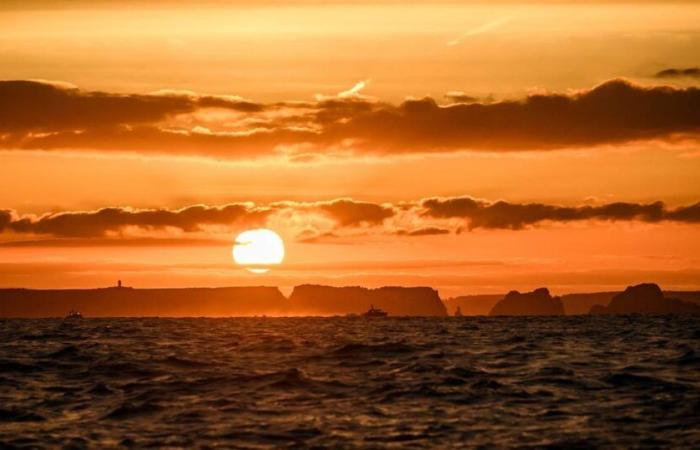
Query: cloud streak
(484, 28)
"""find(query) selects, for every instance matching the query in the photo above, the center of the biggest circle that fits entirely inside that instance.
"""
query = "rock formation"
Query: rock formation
(536, 303)
(645, 299)
(397, 301)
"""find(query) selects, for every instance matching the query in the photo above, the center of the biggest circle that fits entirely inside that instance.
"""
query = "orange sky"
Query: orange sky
(470, 146)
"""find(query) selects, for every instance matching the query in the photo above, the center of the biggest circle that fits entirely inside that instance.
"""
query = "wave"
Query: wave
(613, 382)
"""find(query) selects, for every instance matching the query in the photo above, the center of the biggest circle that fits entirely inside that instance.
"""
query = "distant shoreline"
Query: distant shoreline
(251, 301)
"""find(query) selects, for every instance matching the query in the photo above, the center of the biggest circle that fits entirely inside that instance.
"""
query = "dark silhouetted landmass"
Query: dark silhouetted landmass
(315, 300)
(127, 302)
(645, 298)
(397, 301)
(581, 303)
(536, 303)
(473, 305)
(219, 302)
(574, 304)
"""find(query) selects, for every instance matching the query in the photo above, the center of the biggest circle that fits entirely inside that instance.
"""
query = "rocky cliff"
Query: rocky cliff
(536, 303)
(397, 301)
(128, 302)
(645, 299)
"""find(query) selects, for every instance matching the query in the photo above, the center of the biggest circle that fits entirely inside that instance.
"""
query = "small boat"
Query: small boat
(73, 314)
(458, 312)
(375, 312)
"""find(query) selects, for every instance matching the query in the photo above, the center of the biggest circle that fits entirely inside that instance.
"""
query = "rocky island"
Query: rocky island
(536, 303)
(645, 298)
(397, 301)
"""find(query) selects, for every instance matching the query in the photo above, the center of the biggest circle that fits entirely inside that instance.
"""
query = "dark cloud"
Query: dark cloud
(350, 218)
(614, 112)
(99, 223)
(686, 213)
(501, 214)
(427, 231)
(690, 72)
(41, 116)
(33, 106)
(106, 221)
(352, 213)
(5, 219)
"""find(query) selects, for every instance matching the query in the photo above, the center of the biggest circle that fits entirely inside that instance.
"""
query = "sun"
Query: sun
(257, 250)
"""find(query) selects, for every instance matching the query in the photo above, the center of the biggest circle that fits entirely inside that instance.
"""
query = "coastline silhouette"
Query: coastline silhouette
(318, 300)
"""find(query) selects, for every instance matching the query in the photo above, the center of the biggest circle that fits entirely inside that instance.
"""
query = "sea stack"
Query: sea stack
(536, 303)
(646, 298)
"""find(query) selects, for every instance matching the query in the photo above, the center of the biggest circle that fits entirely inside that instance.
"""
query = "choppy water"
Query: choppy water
(340, 382)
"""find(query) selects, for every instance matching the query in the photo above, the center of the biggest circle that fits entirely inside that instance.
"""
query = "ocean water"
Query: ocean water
(625, 382)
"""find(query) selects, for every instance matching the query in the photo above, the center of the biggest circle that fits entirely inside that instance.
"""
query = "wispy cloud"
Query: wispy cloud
(356, 89)
(483, 28)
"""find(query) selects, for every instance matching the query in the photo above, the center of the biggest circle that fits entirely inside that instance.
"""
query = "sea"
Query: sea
(455, 382)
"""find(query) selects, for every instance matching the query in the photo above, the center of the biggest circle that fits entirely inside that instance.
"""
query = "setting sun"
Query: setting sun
(257, 250)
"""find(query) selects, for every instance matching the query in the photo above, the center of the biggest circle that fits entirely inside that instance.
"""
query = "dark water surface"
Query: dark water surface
(627, 382)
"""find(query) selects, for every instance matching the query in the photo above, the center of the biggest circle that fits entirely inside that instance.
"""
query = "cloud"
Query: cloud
(38, 106)
(501, 214)
(101, 222)
(113, 221)
(460, 97)
(6, 218)
(427, 231)
(323, 221)
(351, 213)
(614, 112)
(483, 28)
(690, 72)
(355, 90)
(41, 116)
(686, 214)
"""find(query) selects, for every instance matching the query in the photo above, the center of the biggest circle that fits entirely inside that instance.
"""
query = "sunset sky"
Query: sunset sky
(476, 147)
